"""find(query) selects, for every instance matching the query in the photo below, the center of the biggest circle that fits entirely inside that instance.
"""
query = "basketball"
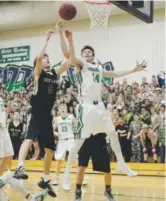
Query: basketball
(67, 11)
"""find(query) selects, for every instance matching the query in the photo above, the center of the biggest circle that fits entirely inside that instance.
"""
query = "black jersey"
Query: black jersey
(42, 102)
(15, 131)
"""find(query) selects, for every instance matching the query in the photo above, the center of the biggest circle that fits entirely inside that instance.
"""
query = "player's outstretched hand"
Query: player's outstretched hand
(140, 66)
(59, 26)
(49, 34)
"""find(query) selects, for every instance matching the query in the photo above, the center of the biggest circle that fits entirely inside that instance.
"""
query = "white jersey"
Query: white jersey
(90, 82)
(65, 127)
(2, 113)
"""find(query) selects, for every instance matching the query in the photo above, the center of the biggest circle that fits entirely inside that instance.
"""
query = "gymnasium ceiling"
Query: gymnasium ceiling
(19, 14)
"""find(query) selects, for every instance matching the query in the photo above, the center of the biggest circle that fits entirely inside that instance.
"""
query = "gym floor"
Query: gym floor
(140, 188)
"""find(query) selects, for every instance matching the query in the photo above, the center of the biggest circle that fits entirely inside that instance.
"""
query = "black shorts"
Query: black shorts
(95, 147)
(41, 130)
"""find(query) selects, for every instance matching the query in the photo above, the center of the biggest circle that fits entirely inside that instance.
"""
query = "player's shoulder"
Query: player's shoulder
(57, 118)
(71, 116)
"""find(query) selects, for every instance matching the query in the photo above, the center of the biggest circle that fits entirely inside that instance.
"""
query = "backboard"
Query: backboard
(140, 9)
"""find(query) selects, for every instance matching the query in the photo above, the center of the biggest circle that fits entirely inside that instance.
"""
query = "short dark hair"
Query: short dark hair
(35, 60)
(89, 48)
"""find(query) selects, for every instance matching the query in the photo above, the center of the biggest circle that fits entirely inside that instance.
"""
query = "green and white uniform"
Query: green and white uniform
(92, 116)
(66, 138)
(6, 148)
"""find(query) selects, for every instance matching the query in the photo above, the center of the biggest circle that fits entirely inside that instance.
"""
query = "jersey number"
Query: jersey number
(96, 77)
(50, 89)
(64, 128)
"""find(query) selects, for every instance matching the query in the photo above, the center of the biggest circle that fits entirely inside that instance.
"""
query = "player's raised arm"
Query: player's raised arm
(63, 44)
(139, 67)
(75, 61)
(38, 65)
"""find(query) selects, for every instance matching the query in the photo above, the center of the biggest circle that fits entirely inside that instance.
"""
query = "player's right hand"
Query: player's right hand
(49, 34)
(140, 66)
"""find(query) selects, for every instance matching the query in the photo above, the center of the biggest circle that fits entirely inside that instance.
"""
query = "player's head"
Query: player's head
(62, 109)
(88, 53)
(45, 62)
(16, 116)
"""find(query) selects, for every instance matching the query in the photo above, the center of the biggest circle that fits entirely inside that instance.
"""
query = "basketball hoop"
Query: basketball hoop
(99, 12)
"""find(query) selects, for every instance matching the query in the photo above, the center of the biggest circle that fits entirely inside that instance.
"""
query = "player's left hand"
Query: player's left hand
(140, 66)
(59, 26)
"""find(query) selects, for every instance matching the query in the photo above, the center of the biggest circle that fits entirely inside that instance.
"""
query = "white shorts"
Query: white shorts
(93, 119)
(62, 147)
(6, 148)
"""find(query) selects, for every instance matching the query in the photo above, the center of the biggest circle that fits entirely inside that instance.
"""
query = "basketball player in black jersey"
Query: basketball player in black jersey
(40, 126)
(15, 130)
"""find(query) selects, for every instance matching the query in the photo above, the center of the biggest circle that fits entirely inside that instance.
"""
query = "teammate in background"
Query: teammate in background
(148, 143)
(40, 126)
(6, 154)
(92, 116)
(64, 126)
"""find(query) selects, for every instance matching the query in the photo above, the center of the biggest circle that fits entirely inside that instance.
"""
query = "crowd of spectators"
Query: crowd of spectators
(137, 110)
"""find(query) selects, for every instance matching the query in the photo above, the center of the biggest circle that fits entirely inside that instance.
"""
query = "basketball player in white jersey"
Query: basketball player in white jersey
(6, 154)
(64, 126)
(93, 118)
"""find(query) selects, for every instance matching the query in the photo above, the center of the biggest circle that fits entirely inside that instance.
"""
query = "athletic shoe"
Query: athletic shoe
(46, 185)
(109, 196)
(126, 169)
(56, 182)
(78, 195)
(20, 173)
(39, 197)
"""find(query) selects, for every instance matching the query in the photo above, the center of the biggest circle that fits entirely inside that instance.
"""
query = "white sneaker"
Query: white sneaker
(3, 196)
(56, 182)
(40, 197)
(66, 183)
(126, 169)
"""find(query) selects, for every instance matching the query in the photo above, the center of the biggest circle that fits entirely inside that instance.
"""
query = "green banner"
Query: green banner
(14, 54)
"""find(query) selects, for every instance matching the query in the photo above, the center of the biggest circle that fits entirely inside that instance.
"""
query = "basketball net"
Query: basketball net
(99, 12)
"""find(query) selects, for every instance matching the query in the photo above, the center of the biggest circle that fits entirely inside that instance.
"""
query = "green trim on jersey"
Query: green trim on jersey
(79, 78)
(80, 122)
